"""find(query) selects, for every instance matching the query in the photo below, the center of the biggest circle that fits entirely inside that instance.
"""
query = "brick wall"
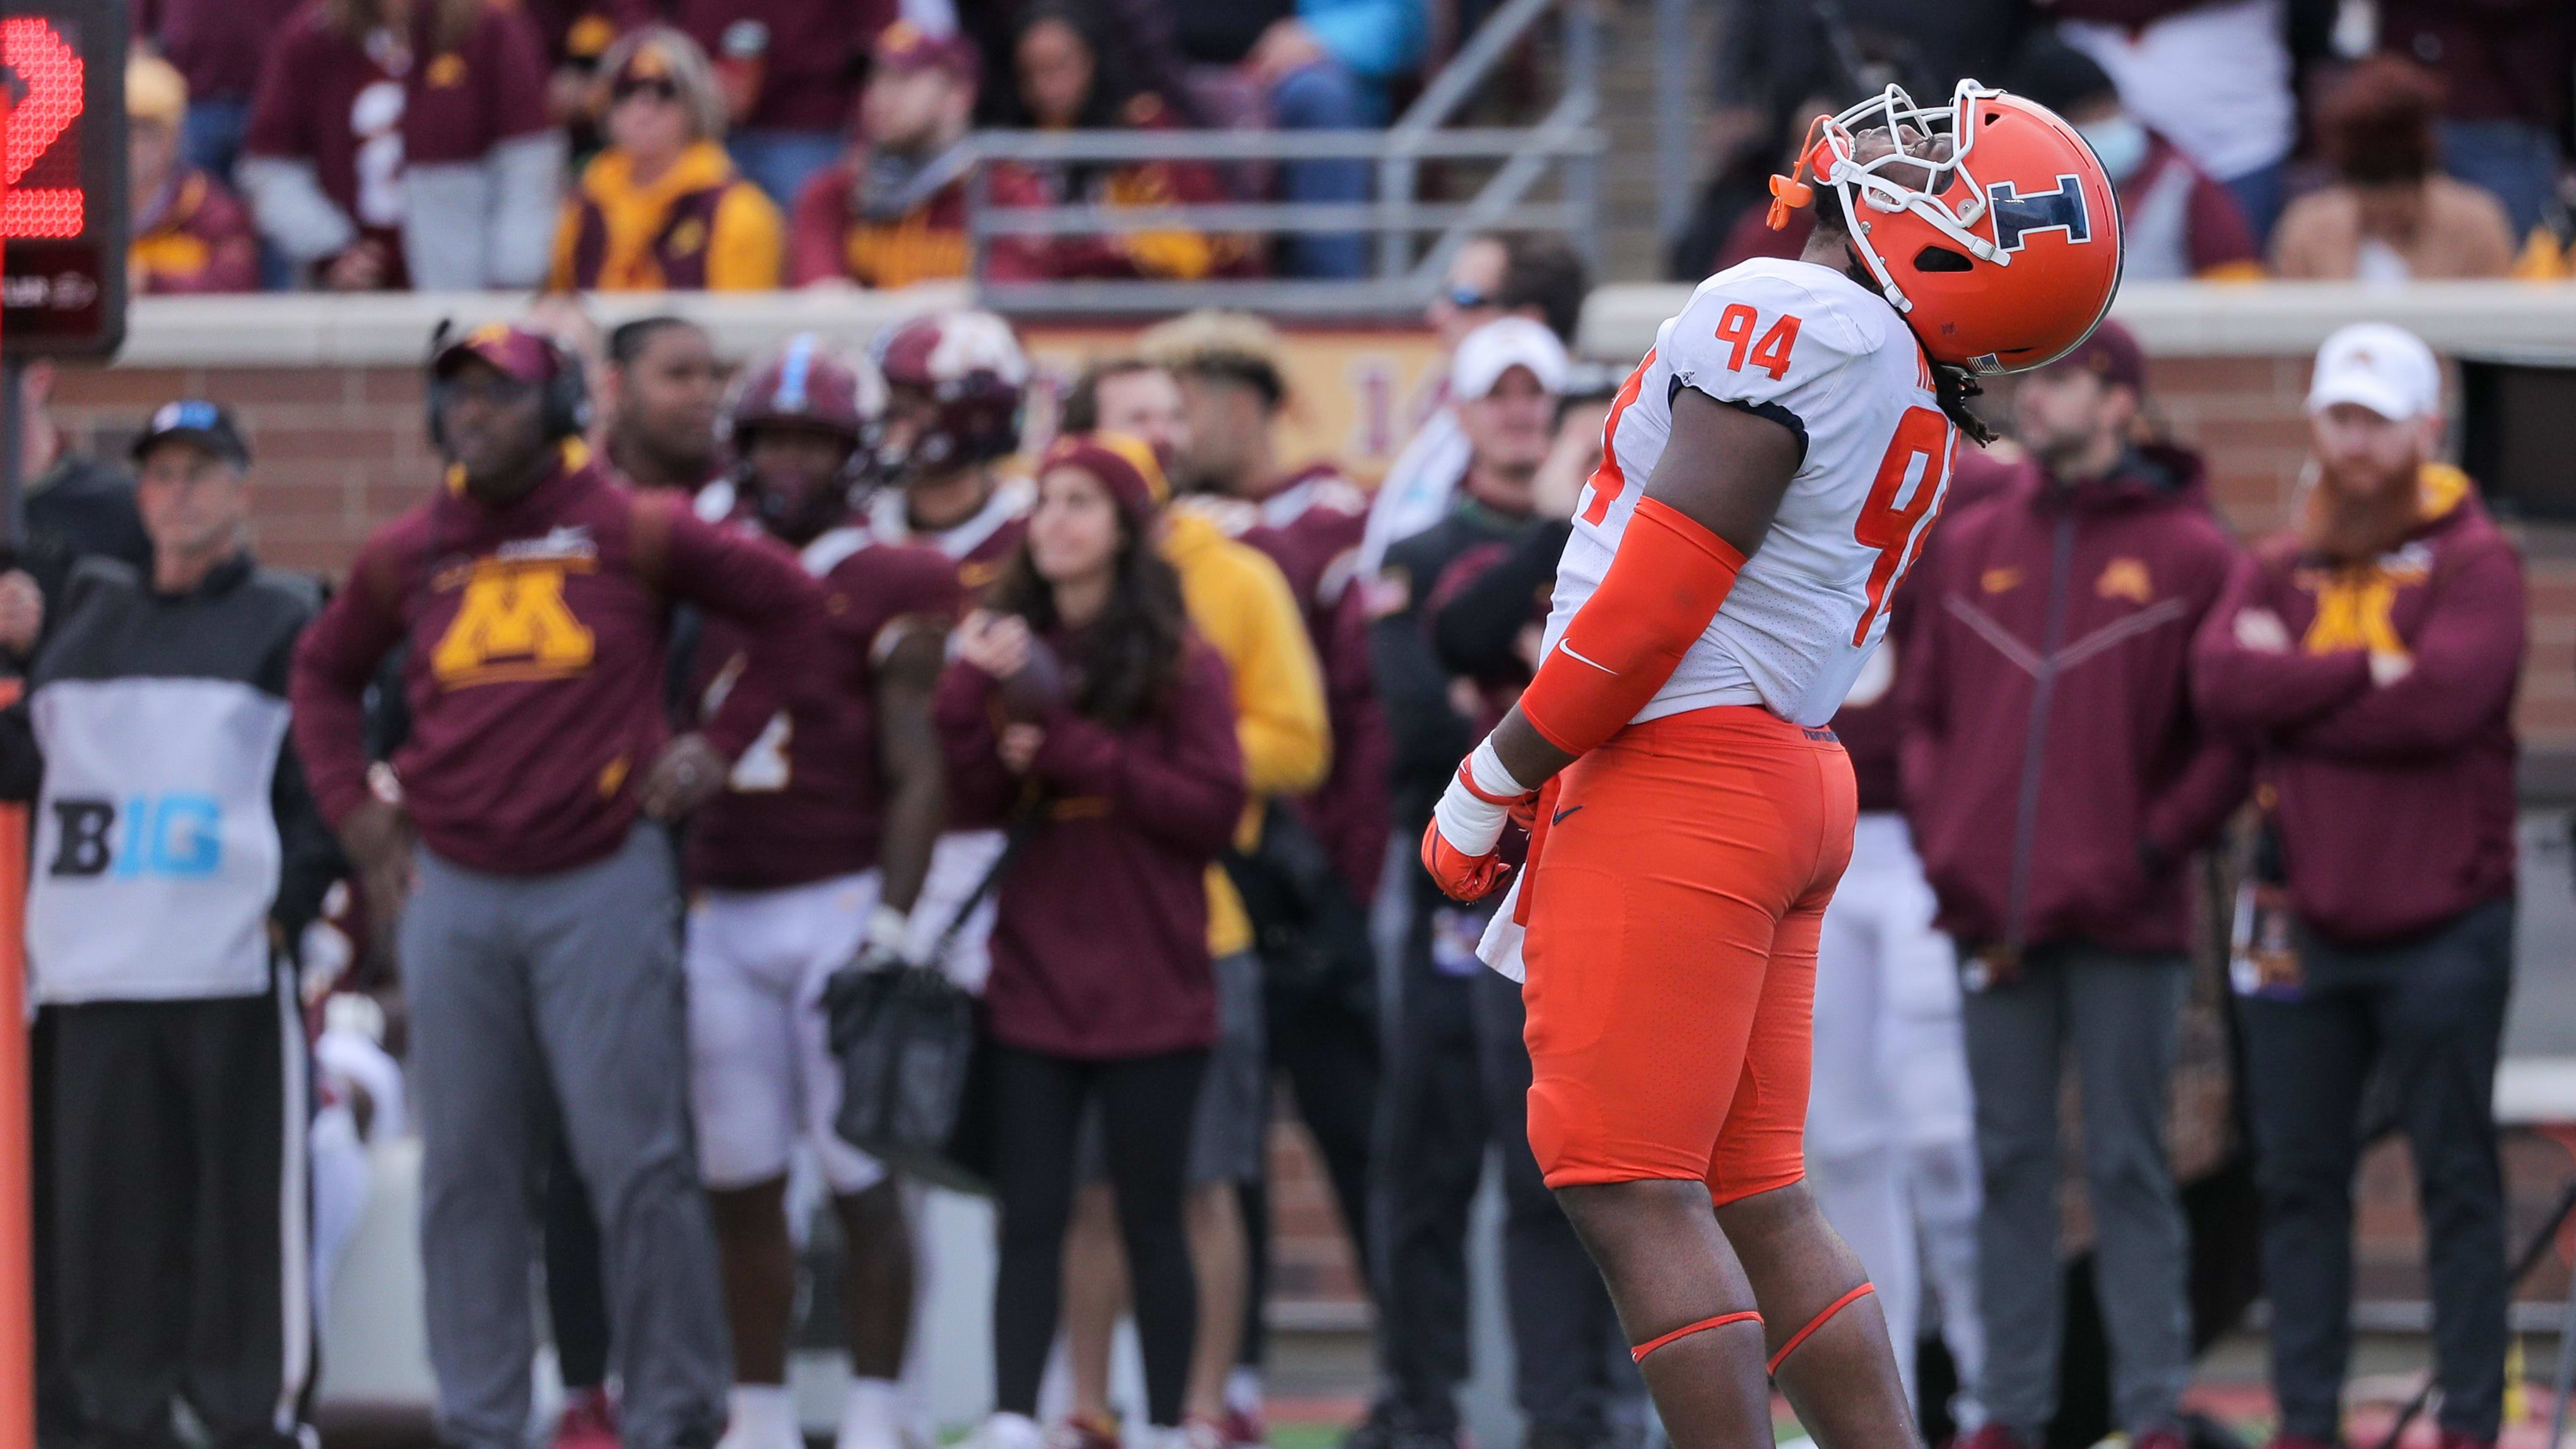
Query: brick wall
(340, 452)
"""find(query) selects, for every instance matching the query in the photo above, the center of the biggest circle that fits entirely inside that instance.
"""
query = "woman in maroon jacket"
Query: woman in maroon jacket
(1121, 763)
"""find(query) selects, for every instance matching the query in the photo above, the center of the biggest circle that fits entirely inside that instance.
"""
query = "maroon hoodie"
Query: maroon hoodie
(2049, 746)
(535, 675)
(2395, 802)
(1100, 950)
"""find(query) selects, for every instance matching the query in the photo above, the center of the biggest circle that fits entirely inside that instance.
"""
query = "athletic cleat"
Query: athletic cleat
(1243, 1428)
(1085, 1431)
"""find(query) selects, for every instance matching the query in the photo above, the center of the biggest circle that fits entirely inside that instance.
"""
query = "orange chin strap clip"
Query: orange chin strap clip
(1792, 191)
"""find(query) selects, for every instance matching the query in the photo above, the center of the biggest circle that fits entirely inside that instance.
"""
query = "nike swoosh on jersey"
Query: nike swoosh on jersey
(1559, 817)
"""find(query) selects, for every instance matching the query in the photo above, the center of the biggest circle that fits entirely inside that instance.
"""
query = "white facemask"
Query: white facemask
(2119, 142)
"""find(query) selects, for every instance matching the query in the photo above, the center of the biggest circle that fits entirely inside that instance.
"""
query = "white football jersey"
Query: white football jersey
(1812, 349)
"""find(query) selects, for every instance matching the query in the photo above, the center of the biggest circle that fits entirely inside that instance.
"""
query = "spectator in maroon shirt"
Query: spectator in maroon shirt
(514, 837)
(2373, 652)
(190, 232)
(1063, 74)
(857, 220)
(2057, 782)
(217, 45)
(1102, 985)
(406, 145)
(790, 70)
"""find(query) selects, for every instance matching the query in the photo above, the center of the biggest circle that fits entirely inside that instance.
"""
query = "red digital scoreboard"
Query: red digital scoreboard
(63, 214)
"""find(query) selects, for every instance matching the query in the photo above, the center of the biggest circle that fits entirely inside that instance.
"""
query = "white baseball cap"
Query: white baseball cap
(2386, 369)
(1484, 355)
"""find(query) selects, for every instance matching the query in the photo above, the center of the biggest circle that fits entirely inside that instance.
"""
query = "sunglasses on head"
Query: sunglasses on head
(657, 87)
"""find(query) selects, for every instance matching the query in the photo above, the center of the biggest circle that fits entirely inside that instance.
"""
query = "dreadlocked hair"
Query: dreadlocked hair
(1956, 387)
(1953, 385)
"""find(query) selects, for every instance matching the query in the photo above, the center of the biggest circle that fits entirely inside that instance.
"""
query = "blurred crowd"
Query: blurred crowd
(2301, 139)
(367, 145)
(701, 682)
(361, 145)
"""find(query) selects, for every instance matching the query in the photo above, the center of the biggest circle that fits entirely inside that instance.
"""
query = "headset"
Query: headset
(565, 408)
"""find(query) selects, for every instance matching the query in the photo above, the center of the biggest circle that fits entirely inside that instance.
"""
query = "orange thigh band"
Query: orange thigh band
(1672, 951)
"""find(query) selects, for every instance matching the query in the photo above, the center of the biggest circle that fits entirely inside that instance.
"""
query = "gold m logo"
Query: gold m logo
(512, 624)
(2353, 612)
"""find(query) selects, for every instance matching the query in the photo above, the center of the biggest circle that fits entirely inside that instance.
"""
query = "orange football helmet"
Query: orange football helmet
(1989, 224)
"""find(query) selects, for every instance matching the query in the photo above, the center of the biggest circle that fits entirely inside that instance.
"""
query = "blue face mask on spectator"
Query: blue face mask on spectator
(2119, 142)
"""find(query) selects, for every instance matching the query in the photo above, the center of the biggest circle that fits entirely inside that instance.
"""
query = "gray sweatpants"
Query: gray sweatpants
(2119, 1013)
(532, 996)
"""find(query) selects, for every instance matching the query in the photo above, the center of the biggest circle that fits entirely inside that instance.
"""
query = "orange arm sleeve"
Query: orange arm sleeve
(1664, 585)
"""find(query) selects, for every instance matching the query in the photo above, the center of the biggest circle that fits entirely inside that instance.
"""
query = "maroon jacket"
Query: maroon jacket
(809, 71)
(1868, 723)
(1100, 948)
(216, 44)
(2395, 802)
(535, 676)
(456, 104)
(2049, 743)
(805, 799)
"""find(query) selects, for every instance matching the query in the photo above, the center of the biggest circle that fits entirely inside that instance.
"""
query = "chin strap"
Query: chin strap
(1803, 1334)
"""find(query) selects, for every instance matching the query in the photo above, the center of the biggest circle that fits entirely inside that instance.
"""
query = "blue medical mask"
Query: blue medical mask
(2119, 142)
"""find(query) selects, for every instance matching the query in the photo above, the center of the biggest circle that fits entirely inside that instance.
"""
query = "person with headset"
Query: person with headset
(536, 916)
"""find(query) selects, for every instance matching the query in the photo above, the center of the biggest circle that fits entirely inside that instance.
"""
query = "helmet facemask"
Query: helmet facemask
(1888, 156)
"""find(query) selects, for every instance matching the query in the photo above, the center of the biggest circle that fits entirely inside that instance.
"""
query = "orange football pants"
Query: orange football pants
(1673, 908)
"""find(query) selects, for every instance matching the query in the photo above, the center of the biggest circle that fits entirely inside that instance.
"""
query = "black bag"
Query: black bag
(915, 1080)
(1308, 926)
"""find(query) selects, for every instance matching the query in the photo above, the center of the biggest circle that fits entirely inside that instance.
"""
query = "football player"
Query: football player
(1770, 470)
(954, 381)
(813, 854)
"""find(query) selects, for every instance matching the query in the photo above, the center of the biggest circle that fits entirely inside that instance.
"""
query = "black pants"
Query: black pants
(2429, 1015)
(1325, 1043)
(181, 1216)
(1459, 1076)
(1570, 1361)
(1146, 1107)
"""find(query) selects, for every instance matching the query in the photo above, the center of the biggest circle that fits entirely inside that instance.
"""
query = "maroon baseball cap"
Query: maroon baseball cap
(515, 352)
(2110, 354)
(906, 46)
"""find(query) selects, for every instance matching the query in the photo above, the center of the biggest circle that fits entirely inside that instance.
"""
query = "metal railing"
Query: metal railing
(1414, 239)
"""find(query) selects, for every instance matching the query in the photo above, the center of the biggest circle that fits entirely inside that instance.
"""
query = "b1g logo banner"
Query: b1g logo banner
(177, 836)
